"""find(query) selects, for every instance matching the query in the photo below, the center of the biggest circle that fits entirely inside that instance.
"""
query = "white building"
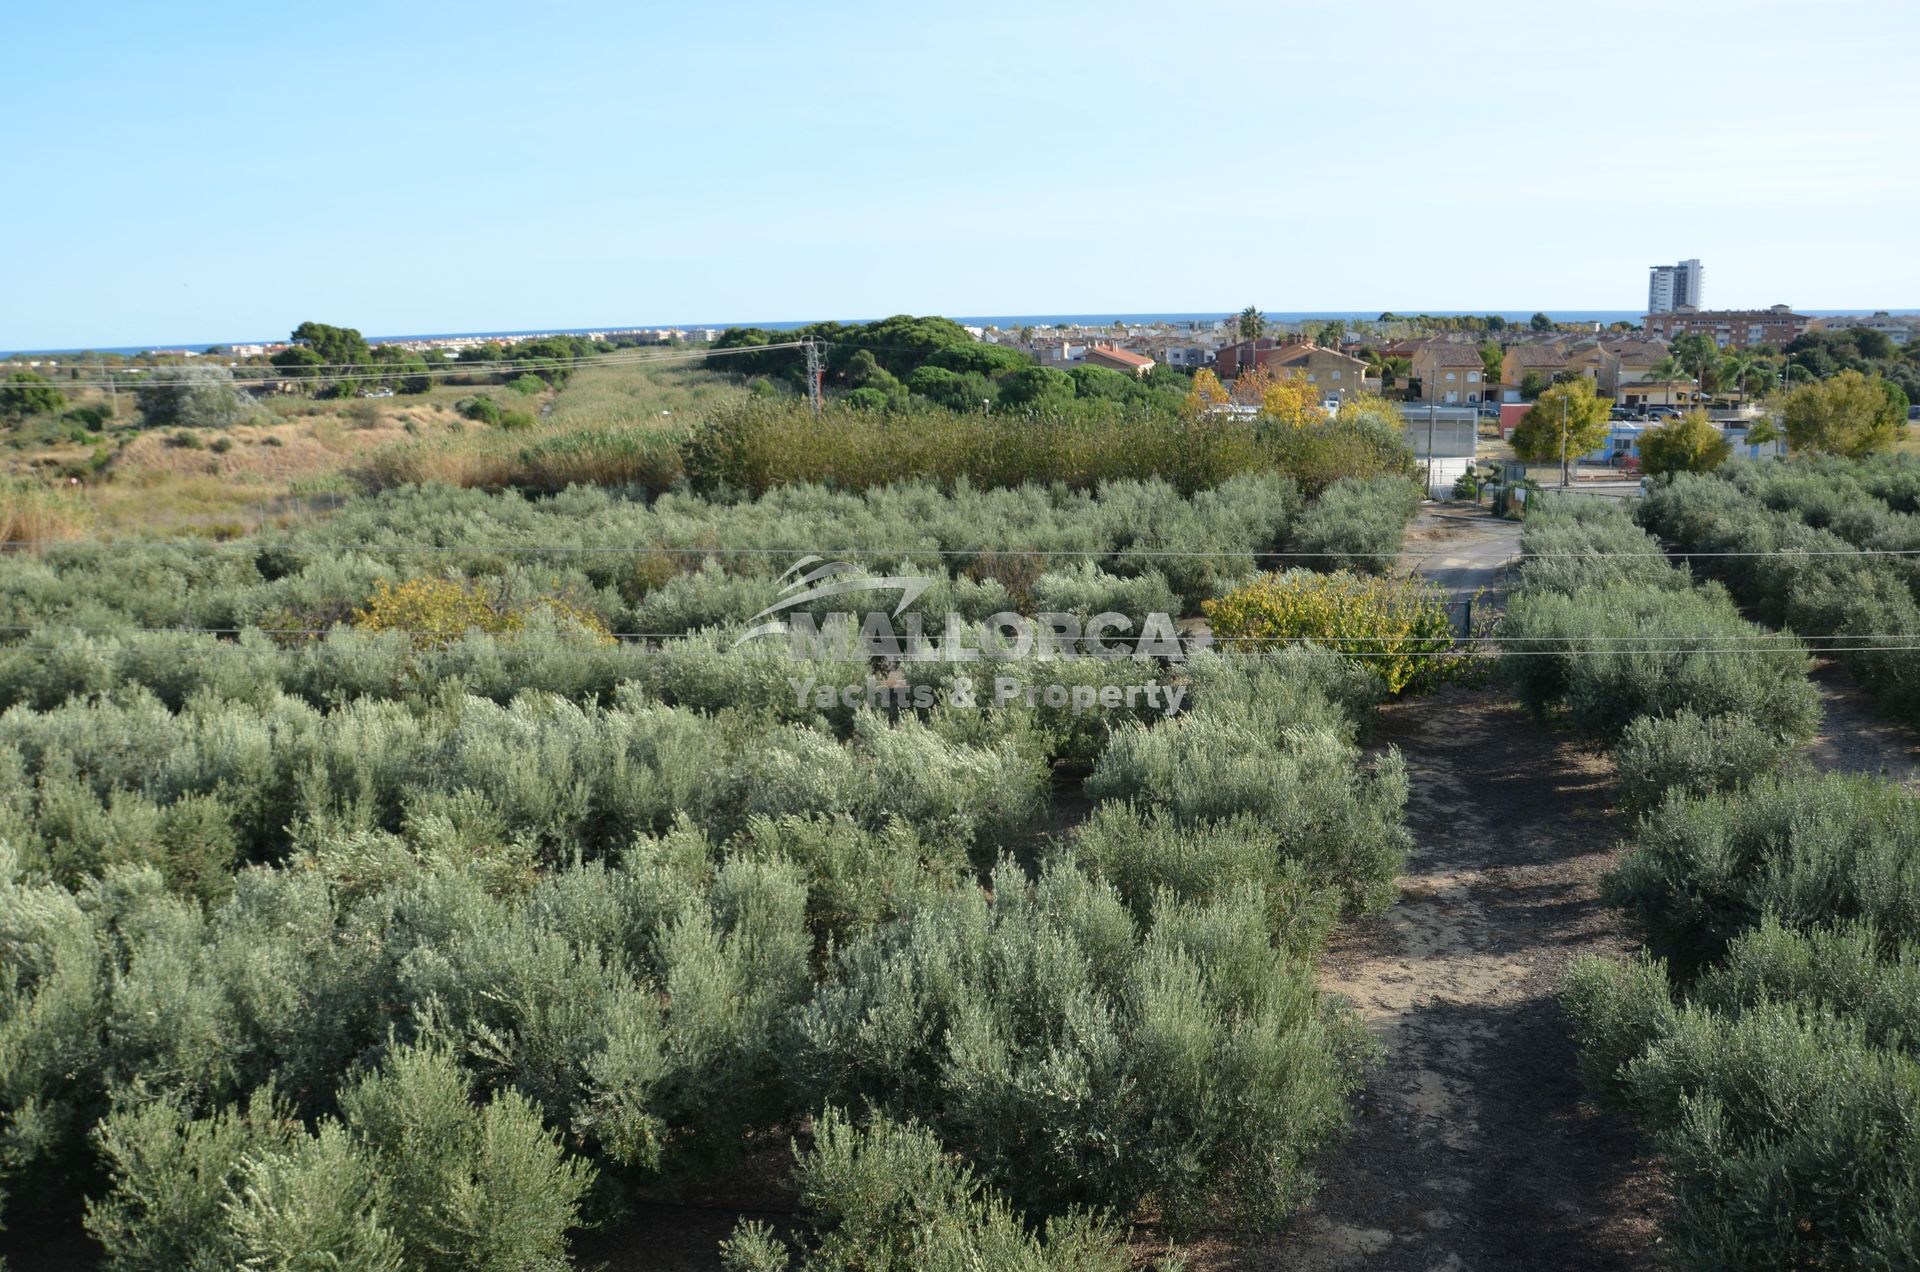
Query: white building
(1670, 287)
(1900, 330)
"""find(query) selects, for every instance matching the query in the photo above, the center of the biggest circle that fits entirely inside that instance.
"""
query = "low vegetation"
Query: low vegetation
(407, 917)
(1765, 1041)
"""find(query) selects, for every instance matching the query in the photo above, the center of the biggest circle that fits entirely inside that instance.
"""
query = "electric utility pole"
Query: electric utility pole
(1429, 448)
(815, 372)
(1563, 443)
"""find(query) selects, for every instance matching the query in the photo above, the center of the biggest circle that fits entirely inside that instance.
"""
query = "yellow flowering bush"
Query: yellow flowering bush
(435, 612)
(1399, 629)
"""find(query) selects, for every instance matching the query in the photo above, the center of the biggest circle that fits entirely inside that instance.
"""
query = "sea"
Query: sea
(974, 320)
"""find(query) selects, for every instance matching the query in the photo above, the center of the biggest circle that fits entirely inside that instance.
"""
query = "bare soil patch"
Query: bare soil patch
(1856, 738)
(1472, 1146)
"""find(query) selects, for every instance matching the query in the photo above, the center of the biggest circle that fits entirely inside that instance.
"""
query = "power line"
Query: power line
(258, 542)
(1407, 646)
(384, 371)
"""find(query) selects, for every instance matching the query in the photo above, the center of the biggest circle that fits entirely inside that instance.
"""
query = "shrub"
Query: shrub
(1570, 544)
(1148, 855)
(1358, 523)
(1851, 971)
(985, 798)
(192, 397)
(1687, 443)
(1339, 819)
(1075, 1061)
(516, 421)
(1399, 629)
(1084, 589)
(886, 1197)
(1790, 571)
(527, 385)
(1809, 850)
(1790, 1138)
(436, 612)
(412, 1176)
(1694, 755)
(173, 1177)
(1619, 1009)
(1616, 653)
(480, 408)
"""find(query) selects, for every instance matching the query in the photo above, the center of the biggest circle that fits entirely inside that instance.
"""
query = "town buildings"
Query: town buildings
(1450, 372)
(1333, 374)
(1114, 359)
(1669, 287)
(1541, 361)
(1730, 328)
(1901, 329)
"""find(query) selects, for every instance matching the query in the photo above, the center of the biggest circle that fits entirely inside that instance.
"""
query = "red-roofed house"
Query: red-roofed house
(1113, 359)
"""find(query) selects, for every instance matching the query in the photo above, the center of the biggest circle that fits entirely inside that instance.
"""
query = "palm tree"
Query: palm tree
(1666, 371)
(1736, 368)
(1253, 323)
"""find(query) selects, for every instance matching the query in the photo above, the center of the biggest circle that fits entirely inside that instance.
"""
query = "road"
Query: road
(1461, 548)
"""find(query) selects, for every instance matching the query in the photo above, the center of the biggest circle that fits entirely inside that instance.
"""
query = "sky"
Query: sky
(192, 173)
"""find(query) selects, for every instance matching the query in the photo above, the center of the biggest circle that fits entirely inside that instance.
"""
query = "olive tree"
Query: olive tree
(194, 397)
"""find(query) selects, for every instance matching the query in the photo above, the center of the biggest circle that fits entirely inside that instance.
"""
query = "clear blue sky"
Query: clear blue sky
(200, 172)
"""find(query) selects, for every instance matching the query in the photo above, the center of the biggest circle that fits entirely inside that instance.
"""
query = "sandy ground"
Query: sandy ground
(1471, 1148)
(1854, 738)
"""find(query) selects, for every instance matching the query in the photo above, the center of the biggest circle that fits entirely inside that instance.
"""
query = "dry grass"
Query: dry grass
(600, 428)
(281, 453)
(33, 512)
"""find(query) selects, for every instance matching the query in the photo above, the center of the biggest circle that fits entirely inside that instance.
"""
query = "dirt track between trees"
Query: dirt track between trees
(1471, 1148)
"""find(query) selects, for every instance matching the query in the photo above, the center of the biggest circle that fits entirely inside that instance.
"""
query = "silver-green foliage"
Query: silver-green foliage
(1691, 754)
(1357, 523)
(1079, 1059)
(1612, 654)
(886, 1197)
(412, 1175)
(1782, 1088)
(1808, 850)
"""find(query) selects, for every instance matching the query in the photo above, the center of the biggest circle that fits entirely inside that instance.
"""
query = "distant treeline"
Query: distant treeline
(898, 362)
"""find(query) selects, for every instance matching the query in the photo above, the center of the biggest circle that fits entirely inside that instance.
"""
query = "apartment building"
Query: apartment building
(1730, 328)
(1670, 287)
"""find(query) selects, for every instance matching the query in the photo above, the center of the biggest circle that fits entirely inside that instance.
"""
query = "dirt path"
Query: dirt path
(1854, 738)
(1471, 1149)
